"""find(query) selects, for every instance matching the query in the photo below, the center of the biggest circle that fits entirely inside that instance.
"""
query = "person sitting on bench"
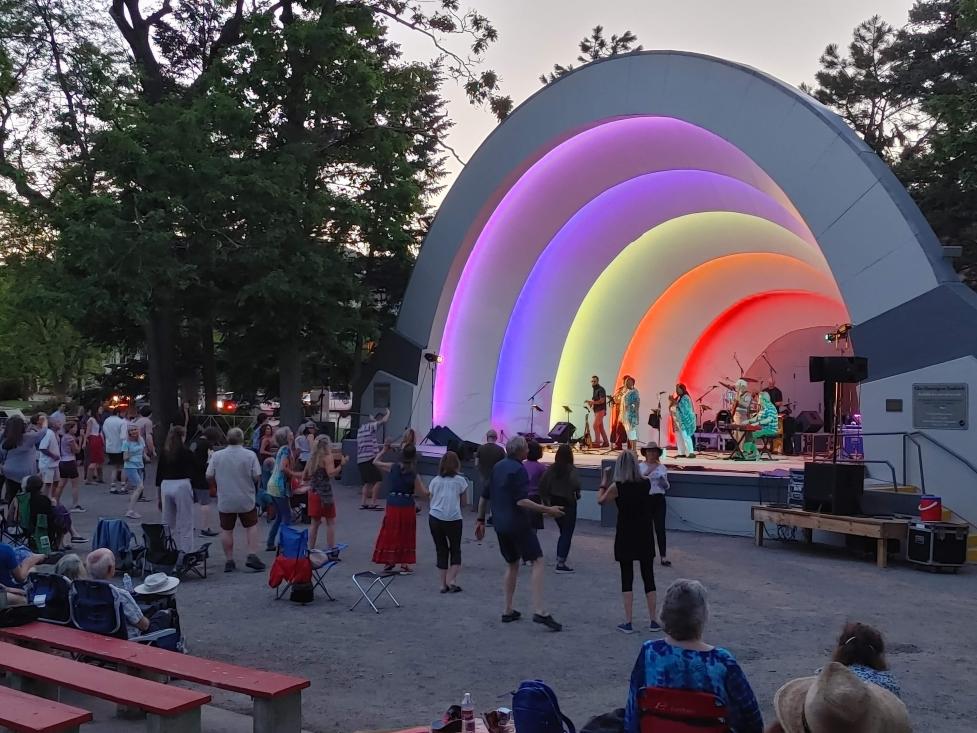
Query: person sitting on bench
(15, 564)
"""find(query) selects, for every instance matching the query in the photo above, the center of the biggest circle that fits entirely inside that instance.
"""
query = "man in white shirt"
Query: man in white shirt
(112, 429)
(235, 471)
(49, 455)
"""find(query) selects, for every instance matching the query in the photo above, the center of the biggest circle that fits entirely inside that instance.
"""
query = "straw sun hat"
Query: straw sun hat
(837, 700)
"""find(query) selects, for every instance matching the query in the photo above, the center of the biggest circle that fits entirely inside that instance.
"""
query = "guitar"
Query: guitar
(586, 440)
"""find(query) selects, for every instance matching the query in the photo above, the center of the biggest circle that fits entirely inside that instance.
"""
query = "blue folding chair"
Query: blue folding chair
(94, 608)
(292, 563)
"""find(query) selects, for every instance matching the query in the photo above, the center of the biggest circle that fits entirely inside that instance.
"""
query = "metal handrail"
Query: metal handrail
(895, 486)
(944, 448)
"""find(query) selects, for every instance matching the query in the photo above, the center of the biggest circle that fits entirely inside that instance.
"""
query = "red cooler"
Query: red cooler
(930, 508)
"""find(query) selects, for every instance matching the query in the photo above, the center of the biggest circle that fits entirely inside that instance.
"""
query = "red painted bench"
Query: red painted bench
(277, 697)
(168, 709)
(25, 713)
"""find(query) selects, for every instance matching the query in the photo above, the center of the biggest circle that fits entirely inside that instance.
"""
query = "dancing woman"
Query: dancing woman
(397, 541)
(632, 402)
(684, 422)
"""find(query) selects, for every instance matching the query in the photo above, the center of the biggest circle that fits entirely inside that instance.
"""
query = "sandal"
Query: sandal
(456, 589)
(445, 589)
(510, 617)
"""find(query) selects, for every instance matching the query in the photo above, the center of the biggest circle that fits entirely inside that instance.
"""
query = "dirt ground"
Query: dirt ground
(778, 609)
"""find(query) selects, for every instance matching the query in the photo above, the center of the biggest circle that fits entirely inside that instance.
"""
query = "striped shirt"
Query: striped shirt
(367, 447)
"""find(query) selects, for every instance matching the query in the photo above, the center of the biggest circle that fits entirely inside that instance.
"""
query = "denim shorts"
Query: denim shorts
(134, 477)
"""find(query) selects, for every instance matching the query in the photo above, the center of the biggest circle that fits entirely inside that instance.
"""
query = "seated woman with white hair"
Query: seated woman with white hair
(682, 661)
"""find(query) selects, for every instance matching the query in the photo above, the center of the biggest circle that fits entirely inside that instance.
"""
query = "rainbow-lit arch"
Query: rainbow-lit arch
(645, 214)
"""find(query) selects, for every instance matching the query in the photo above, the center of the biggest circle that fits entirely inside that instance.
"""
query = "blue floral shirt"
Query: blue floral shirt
(660, 664)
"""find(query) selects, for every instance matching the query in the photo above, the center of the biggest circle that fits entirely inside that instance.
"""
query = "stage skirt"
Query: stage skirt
(397, 541)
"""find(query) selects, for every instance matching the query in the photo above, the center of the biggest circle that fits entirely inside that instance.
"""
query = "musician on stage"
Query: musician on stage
(632, 402)
(599, 405)
(684, 422)
(617, 434)
(742, 402)
(776, 396)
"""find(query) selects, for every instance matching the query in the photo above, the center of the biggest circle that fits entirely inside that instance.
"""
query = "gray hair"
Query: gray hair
(685, 610)
(235, 436)
(516, 446)
(71, 567)
(626, 468)
(282, 435)
(100, 564)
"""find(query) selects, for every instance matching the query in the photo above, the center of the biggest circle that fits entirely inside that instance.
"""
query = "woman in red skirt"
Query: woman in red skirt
(93, 444)
(397, 541)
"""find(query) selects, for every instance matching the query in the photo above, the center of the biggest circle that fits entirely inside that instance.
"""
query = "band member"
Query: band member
(776, 396)
(618, 434)
(742, 402)
(684, 419)
(766, 419)
(599, 405)
(632, 403)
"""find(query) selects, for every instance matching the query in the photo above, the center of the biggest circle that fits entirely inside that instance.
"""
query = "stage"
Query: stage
(704, 462)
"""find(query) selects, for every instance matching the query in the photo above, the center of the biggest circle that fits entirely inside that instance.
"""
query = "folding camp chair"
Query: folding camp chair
(94, 608)
(292, 564)
(162, 556)
(664, 710)
(380, 581)
(10, 526)
(320, 571)
(115, 535)
(50, 592)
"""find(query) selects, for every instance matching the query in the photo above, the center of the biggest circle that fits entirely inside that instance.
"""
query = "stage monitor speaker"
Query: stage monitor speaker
(842, 369)
(442, 435)
(835, 488)
(563, 432)
(809, 422)
(655, 419)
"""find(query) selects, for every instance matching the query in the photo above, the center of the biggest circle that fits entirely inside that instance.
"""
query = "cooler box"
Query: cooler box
(938, 544)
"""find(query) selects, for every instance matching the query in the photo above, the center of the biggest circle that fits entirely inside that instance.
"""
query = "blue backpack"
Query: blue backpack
(535, 710)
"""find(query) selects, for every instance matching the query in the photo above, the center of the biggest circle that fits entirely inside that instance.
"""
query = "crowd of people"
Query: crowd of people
(284, 475)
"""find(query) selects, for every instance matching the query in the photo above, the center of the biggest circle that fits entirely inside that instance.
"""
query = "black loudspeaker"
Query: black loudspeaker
(464, 449)
(835, 488)
(709, 426)
(655, 419)
(843, 369)
(563, 432)
(442, 435)
(809, 422)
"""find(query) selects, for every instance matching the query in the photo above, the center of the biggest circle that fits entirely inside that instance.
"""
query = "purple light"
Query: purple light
(533, 211)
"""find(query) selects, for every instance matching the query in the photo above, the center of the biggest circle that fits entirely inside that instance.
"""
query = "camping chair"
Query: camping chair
(380, 581)
(10, 525)
(320, 570)
(50, 592)
(94, 608)
(162, 556)
(115, 535)
(292, 563)
(663, 710)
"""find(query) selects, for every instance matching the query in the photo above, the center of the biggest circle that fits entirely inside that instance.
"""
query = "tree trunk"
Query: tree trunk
(290, 381)
(208, 364)
(160, 331)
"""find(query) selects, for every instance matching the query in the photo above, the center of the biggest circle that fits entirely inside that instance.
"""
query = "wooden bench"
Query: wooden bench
(882, 530)
(25, 713)
(168, 709)
(277, 697)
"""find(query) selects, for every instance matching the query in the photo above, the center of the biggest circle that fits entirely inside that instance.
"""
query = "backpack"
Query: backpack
(535, 709)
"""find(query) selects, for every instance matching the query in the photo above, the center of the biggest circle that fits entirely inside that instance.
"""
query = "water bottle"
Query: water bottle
(467, 714)
(127, 582)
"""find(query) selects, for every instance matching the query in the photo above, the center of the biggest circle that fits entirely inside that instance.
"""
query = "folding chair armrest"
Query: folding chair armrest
(152, 636)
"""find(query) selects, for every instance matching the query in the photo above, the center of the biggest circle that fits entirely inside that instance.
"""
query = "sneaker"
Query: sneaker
(144, 498)
(563, 568)
(208, 533)
(230, 566)
(79, 540)
(654, 626)
(78, 508)
(508, 618)
(254, 562)
(133, 515)
(625, 628)
(548, 621)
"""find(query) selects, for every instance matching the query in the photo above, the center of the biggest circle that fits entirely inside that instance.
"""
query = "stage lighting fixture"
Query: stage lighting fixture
(431, 357)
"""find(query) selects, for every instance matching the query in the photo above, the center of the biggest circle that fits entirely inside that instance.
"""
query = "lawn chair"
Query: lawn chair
(10, 528)
(321, 569)
(94, 608)
(162, 556)
(663, 710)
(379, 584)
(115, 535)
(292, 563)
(50, 593)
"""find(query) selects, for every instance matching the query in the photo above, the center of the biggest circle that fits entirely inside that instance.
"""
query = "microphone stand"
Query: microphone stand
(533, 407)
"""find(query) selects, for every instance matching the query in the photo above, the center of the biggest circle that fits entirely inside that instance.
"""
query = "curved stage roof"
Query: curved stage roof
(661, 214)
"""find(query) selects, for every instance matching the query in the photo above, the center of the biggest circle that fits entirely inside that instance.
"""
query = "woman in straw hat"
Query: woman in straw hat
(837, 700)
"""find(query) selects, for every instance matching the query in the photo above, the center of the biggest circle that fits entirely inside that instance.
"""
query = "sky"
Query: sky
(780, 37)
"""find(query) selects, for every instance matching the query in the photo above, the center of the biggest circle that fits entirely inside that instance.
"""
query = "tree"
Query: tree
(593, 47)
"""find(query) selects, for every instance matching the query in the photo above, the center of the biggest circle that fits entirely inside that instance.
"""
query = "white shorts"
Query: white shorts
(49, 475)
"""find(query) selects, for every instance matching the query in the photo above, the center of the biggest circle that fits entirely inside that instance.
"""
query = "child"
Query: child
(319, 471)
(862, 649)
(68, 466)
(134, 462)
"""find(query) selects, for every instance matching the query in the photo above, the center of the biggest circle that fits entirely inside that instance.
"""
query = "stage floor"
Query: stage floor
(704, 461)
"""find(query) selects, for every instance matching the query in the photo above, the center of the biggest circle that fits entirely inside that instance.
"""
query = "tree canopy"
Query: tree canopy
(593, 47)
